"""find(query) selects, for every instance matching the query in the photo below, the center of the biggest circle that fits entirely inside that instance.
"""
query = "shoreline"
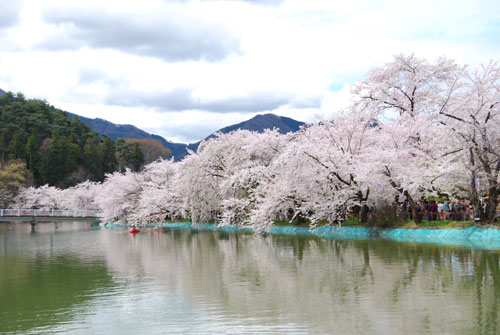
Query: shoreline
(471, 237)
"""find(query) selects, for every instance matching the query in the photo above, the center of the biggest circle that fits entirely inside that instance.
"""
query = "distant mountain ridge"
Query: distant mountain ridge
(116, 131)
(265, 121)
(2, 92)
(179, 150)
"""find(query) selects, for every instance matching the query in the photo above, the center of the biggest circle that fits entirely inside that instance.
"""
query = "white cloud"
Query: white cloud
(168, 33)
(9, 13)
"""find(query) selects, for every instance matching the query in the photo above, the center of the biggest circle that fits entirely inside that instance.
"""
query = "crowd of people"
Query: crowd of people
(430, 210)
(453, 211)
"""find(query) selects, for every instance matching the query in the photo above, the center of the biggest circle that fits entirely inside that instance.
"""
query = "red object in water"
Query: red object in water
(134, 230)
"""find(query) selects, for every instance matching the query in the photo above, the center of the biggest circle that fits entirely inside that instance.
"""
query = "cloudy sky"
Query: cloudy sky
(183, 69)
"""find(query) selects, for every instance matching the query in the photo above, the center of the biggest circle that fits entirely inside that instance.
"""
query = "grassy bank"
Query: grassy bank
(438, 224)
(356, 222)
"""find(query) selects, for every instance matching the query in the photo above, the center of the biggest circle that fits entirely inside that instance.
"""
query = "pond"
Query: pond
(75, 279)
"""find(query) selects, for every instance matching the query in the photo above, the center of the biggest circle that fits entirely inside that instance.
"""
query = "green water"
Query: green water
(81, 280)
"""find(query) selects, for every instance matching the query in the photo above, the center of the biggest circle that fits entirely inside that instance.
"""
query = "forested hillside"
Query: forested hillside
(54, 148)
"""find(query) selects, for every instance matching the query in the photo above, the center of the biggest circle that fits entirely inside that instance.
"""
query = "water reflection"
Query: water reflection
(209, 282)
(366, 286)
(44, 280)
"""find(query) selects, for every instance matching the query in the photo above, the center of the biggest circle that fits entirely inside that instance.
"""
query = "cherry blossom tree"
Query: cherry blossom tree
(473, 119)
(333, 151)
(221, 179)
(160, 197)
(119, 196)
(319, 173)
(408, 94)
(43, 197)
(199, 188)
(415, 128)
(283, 191)
(80, 197)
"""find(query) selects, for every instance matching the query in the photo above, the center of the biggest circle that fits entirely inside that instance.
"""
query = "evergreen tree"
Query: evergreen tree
(32, 153)
(54, 160)
(92, 159)
(57, 149)
(17, 147)
(136, 157)
(108, 155)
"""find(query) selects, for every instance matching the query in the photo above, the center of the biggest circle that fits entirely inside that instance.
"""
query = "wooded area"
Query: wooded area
(40, 144)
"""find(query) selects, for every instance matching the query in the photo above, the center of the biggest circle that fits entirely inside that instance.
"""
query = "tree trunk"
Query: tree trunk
(474, 197)
(413, 206)
(364, 213)
(492, 203)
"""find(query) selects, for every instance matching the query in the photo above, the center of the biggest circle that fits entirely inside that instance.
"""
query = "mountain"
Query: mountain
(116, 131)
(266, 121)
(2, 92)
(258, 123)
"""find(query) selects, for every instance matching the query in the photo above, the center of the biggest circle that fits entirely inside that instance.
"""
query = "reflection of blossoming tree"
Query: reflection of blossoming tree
(414, 129)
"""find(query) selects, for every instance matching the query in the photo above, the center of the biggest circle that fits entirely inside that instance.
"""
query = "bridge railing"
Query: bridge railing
(49, 213)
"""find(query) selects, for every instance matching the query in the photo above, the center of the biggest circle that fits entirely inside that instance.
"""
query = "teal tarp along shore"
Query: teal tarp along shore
(473, 237)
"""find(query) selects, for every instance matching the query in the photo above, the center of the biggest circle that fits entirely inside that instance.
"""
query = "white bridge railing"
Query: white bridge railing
(48, 213)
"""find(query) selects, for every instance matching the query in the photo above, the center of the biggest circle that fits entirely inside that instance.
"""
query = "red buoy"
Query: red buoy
(134, 230)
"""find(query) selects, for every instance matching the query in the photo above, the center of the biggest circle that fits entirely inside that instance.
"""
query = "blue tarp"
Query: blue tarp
(473, 237)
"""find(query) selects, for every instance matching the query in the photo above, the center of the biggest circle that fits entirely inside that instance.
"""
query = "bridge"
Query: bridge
(34, 215)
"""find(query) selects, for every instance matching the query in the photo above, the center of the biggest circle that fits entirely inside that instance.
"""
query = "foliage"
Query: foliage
(13, 175)
(152, 149)
(129, 155)
(58, 150)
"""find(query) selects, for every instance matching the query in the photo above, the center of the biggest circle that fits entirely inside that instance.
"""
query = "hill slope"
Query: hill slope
(266, 121)
(48, 147)
(116, 131)
(258, 123)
